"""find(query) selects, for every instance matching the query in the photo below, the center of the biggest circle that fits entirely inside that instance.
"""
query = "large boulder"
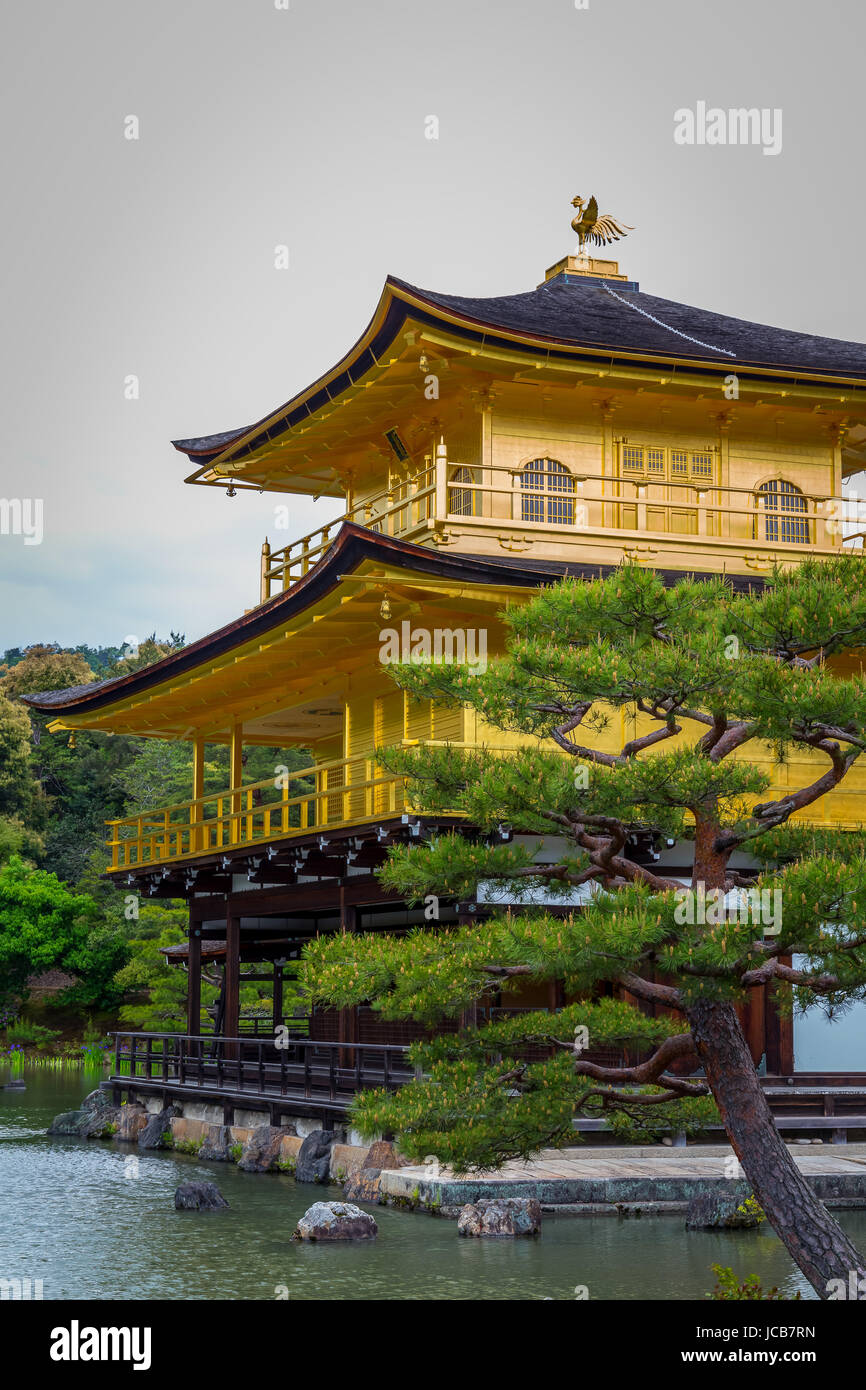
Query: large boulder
(314, 1157)
(96, 1100)
(103, 1122)
(335, 1221)
(363, 1185)
(723, 1210)
(261, 1152)
(382, 1154)
(69, 1122)
(500, 1216)
(133, 1118)
(199, 1196)
(72, 1121)
(153, 1134)
(217, 1145)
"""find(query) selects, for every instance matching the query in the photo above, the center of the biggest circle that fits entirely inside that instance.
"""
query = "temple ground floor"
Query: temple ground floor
(250, 916)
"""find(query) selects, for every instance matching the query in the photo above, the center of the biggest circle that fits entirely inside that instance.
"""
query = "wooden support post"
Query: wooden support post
(236, 774)
(348, 1031)
(232, 982)
(779, 1037)
(278, 996)
(265, 588)
(196, 812)
(193, 996)
(441, 493)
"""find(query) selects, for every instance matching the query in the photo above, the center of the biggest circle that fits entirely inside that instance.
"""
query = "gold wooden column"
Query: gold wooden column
(236, 773)
(196, 811)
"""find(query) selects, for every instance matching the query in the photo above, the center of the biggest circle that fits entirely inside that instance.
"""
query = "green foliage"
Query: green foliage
(33, 1034)
(750, 1206)
(155, 992)
(44, 926)
(19, 839)
(729, 1287)
(646, 710)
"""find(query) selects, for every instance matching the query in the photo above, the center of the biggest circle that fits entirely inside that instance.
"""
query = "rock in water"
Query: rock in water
(363, 1185)
(262, 1150)
(101, 1123)
(217, 1145)
(314, 1157)
(500, 1216)
(151, 1137)
(133, 1119)
(69, 1122)
(721, 1210)
(199, 1196)
(335, 1221)
(96, 1100)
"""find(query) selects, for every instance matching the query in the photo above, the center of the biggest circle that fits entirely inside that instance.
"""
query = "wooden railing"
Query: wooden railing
(632, 503)
(335, 793)
(308, 1070)
(402, 510)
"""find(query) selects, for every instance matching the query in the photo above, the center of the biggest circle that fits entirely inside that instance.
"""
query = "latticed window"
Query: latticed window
(784, 508)
(632, 458)
(461, 500)
(548, 493)
(697, 464)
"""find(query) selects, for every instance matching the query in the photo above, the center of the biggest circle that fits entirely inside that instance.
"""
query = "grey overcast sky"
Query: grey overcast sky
(305, 126)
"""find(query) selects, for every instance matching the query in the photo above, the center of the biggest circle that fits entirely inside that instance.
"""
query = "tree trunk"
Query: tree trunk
(816, 1242)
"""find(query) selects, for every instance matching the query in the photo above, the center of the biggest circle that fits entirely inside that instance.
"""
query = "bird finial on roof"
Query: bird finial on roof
(598, 231)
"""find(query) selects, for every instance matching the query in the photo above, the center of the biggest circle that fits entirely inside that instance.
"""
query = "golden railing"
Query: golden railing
(401, 510)
(336, 793)
(635, 505)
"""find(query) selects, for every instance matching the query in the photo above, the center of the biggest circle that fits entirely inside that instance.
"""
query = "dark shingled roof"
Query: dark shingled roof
(565, 313)
(586, 313)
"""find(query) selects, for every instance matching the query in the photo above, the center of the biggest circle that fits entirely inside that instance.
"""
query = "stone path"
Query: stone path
(594, 1177)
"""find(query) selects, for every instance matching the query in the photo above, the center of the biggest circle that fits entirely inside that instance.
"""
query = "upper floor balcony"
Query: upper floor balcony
(657, 505)
(351, 791)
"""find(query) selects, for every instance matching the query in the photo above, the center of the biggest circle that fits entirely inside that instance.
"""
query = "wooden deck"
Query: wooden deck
(315, 1077)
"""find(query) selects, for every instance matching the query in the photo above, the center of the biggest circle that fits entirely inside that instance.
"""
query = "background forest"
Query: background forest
(80, 955)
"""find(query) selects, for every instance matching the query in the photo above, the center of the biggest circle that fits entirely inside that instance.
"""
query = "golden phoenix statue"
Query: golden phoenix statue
(598, 231)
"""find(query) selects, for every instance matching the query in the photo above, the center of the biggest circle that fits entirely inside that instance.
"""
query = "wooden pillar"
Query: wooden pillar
(265, 585)
(780, 1036)
(196, 813)
(193, 996)
(232, 980)
(278, 995)
(236, 774)
(348, 1027)
(555, 995)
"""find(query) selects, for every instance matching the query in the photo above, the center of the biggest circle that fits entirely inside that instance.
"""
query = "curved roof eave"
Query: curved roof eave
(527, 320)
(352, 545)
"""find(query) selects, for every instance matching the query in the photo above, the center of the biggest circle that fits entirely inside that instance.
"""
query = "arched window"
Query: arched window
(548, 493)
(783, 507)
(462, 501)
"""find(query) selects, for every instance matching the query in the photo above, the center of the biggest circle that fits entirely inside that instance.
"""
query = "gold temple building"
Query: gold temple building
(475, 449)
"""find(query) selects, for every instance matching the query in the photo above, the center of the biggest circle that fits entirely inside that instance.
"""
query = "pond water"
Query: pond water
(97, 1221)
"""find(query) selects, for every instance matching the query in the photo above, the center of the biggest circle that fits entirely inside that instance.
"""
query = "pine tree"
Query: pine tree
(653, 713)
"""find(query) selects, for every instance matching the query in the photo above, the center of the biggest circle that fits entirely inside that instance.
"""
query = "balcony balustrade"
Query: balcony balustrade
(347, 792)
(531, 504)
